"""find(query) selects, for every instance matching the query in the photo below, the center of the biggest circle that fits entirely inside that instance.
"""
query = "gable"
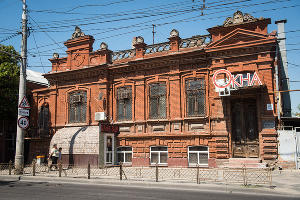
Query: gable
(239, 37)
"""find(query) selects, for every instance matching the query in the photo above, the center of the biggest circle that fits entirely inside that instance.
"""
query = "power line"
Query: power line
(183, 20)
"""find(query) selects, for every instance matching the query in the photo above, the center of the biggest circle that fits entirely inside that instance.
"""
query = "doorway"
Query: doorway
(245, 142)
(109, 150)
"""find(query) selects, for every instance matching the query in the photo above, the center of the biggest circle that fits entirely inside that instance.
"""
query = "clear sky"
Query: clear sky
(116, 22)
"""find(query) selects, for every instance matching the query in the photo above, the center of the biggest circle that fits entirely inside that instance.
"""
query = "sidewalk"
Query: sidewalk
(285, 182)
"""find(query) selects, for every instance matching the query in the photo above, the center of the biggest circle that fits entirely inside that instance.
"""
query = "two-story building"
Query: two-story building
(195, 101)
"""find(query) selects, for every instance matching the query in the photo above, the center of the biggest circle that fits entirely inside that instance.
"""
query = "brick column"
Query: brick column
(139, 45)
(174, 40)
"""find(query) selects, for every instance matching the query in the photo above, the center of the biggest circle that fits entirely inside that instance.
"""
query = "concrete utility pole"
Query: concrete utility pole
(19, 158)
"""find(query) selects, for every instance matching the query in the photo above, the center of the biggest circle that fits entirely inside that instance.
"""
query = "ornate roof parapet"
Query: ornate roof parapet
(77, 33)
(239, 18)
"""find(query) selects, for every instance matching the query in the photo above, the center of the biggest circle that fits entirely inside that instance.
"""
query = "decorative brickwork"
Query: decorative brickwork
(184, 116)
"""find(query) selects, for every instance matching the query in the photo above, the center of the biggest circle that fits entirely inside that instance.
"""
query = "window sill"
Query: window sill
(199, 117)
(124, 122)
(199, 165)
(160, 165)
(76, 124)
(157, 120)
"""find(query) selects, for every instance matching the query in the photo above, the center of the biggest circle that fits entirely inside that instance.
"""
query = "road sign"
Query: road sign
(24, 103)
(23, 122)
(23, 112)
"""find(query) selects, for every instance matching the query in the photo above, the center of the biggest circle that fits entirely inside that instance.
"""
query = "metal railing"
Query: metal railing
(244, 176)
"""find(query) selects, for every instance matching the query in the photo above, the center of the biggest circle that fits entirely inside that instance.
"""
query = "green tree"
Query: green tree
(9, 82)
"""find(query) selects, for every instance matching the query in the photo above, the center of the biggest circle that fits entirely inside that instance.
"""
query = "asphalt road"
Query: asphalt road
(18, 190)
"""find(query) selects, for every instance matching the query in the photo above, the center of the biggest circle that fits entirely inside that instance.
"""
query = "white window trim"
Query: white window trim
(124, 152)
(199, 164)
(159, 163)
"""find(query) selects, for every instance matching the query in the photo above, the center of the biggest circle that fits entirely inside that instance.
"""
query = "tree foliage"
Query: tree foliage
(9, 82)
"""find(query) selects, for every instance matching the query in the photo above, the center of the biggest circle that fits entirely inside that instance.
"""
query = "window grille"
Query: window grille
(195, 97)
(124, 103)
(124, 154)
(158, 101)
(159, 155)
(77, 107)
(44, 119)
(198, 155)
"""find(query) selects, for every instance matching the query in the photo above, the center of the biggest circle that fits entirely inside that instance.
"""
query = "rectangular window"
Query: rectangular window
(159, 155)
(158, 101)
(77, 107)
(124, 103)
(124, 154)
(195, 97)
(198, 155)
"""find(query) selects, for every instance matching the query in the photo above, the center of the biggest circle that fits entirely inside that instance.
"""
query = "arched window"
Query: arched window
(157, 101)
(195, 97)
(44, 118)
(124, 103)
(77, 107)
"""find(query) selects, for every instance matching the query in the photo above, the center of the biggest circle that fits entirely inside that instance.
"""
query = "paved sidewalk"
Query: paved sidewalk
(285, 182)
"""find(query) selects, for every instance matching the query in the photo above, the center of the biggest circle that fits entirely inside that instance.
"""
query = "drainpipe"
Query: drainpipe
(283, 69)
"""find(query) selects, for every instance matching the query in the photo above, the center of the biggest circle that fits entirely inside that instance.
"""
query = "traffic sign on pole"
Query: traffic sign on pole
(23, 122)
(24, 103)
(23, 112)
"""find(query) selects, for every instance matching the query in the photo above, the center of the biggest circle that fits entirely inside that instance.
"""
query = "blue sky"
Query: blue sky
(116, 22)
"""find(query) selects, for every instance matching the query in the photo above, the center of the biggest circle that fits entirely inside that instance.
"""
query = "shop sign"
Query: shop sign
(235, 81)
(109, 128)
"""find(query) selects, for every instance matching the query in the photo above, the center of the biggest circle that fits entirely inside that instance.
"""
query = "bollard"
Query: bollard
(198, 181)
(244, 175)
(156, 173)
(33, 167)
(9, 167)
(121, 171)
(89, 170)
(59, 169)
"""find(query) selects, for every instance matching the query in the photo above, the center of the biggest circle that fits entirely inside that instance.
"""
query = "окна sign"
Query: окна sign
(235, 81)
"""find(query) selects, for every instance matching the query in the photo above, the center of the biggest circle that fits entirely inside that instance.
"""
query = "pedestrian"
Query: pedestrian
(59, 154)
(53, 155)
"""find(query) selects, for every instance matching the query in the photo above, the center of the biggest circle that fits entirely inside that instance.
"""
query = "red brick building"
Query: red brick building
(164, 100)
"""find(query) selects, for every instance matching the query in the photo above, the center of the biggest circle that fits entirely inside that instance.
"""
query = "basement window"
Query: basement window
(198, 155)
(124, 155)
(159, 155)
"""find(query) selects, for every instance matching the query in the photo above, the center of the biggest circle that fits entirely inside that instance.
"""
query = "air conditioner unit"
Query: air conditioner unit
(100, 116)
(77, 98)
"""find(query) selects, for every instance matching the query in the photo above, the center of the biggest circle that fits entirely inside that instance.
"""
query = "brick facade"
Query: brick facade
(239, 47)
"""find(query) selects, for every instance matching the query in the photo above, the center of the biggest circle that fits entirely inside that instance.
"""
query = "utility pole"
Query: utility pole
(153, 32)
(19, 158)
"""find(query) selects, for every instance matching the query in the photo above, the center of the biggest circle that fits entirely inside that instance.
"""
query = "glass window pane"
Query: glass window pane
(154, 157)
(193, 158)
(162, 107)
(128, 157)
(163, 157)
(203, 158)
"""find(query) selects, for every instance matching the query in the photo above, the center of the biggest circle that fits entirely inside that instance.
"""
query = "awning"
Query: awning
(77, 140)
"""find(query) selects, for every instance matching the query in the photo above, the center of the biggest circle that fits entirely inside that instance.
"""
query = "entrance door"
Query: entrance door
(109, 144)
(245, 141)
